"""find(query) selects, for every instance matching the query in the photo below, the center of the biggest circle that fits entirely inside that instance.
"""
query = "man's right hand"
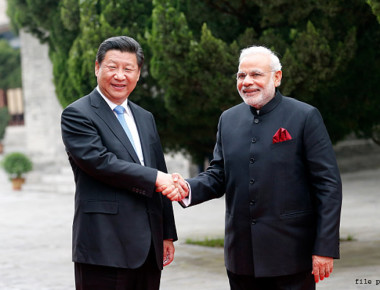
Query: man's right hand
(172, 186)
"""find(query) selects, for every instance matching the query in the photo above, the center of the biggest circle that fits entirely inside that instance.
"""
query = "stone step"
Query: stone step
(56, 179)
(60, 188)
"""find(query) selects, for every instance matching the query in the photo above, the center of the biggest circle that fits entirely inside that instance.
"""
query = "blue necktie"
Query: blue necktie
(120, 116)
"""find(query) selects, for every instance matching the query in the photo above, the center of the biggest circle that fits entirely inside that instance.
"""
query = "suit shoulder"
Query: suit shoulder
(236, 109)
(79, 103)
(294, 103)
(301, 110)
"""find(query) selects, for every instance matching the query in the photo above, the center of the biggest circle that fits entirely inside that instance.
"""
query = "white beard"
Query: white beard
(262, 98)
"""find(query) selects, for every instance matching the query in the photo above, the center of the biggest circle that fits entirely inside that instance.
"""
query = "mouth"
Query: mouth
(118, 86)
(250, 91)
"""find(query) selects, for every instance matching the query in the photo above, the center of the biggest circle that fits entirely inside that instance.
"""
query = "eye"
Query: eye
(111, 67)
(241, 76)
(256, 75)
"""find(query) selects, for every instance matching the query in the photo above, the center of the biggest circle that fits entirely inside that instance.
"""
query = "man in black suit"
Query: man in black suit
(274, 162)
(123, 230)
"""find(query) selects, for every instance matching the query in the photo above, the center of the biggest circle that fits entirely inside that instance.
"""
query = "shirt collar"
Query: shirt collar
(112, 104)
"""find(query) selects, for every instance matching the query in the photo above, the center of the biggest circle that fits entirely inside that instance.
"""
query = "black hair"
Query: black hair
(121, 43)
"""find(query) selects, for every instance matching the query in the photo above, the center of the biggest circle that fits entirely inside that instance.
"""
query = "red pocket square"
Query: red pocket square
(281, 135)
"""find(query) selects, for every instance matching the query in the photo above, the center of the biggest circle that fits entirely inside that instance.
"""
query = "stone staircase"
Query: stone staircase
(57, 179)
(357, 154)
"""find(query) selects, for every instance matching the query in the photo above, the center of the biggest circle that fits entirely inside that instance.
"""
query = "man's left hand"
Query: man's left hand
(322, 267)
(168, 252)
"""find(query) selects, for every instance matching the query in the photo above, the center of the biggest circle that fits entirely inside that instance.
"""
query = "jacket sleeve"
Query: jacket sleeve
(85, 148)
(326, 185)
(169, 227)
(211, 183)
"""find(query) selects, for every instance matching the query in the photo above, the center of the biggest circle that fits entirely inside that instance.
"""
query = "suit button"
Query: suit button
(254, 140)
(252, 181)
(252, 202)
(253, 221)
(252, 160)
(256, 121)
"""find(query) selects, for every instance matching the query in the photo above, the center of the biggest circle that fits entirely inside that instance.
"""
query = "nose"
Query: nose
(119, 74)
(248, 80)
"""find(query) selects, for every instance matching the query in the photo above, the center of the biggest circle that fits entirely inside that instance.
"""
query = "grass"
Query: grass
(207, 242)
(219, 242)
(349, 238)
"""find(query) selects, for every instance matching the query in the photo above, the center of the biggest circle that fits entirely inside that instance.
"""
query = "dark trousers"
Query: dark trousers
(94, 277)
(300, 281)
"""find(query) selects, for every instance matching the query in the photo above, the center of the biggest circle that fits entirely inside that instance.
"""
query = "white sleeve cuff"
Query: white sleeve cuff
(187, 200)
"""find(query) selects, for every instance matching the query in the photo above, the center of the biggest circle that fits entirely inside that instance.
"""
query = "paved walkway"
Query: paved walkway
(35, 240)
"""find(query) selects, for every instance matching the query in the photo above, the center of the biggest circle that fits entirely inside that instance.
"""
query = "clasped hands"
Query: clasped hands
(173, 186)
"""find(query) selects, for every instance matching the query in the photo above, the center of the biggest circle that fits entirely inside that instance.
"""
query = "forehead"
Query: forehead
(255, 62)
(122, 57)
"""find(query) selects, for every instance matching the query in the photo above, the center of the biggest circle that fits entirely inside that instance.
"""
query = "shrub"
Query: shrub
(16, 164)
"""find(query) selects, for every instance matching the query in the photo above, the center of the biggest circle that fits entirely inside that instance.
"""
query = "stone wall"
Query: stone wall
(42, 110)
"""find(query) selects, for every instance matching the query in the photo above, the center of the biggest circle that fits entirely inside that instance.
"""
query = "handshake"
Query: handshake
(173, 186)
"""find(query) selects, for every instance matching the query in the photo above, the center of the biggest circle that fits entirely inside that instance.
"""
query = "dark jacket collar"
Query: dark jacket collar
(269, 106)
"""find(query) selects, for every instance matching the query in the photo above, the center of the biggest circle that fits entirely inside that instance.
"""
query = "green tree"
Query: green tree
(10, 68)
(197, 76)
(10, 77)
(375, 5)
(74, 29)
(4, 119)
(328, 49)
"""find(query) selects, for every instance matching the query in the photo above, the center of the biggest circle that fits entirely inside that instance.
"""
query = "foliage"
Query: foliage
(197, 77)
(10, 68)
(16, 164)
(349, 238)
(375, 5)
(328, 50)
(322, 45)
(4, 119)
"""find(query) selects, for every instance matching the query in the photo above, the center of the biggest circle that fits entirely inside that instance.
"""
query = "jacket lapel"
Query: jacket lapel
(102, 109)
(142, 126)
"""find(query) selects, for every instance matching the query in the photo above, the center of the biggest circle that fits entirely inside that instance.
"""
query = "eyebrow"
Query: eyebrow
(251, 71)
(116, 63)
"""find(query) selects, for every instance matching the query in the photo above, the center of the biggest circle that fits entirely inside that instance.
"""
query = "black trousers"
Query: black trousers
(94, 277)
(300, 281)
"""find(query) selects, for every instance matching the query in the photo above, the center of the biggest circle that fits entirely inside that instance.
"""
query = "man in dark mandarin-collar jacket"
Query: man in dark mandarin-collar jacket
(274, 162)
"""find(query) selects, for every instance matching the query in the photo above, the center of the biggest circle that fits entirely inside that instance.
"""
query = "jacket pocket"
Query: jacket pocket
(297, 214)
(107, 207)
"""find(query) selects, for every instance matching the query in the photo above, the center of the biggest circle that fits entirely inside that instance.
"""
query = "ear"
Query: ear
(277, 78)
(97, 68)
(139, 73)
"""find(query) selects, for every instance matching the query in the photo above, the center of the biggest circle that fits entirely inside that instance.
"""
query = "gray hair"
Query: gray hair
(275, 62)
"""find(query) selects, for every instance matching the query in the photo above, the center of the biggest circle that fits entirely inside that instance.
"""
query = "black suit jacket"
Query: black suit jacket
(117, 211)
(283, 200)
